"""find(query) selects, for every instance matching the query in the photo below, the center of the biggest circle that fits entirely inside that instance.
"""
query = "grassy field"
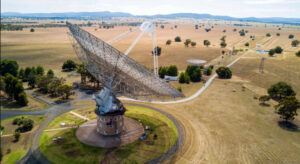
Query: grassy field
(33, 104)
(70, 150)
(14, 151)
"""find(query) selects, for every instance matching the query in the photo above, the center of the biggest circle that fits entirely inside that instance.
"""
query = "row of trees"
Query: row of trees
(192, 73)
(189, 42)
(224, 73)
(171, 70)
(223, 43)
(295, 43)
(10, 84)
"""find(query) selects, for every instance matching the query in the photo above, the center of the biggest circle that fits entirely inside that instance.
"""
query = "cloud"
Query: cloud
(261, 2)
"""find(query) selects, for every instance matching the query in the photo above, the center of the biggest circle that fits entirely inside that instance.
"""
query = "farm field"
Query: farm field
(225, 124)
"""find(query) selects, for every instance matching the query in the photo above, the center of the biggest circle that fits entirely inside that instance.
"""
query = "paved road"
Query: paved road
(199, 92)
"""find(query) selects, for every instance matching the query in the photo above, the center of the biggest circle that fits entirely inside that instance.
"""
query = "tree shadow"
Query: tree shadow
(264, 104)
(290, 126)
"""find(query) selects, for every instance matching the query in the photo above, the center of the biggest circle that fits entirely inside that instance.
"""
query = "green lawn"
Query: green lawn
(13, 151)
(71, 150)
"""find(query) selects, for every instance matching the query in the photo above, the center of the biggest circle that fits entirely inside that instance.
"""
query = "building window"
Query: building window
(105, 132)
(105, 119)
(121, 124)
(100, 118)
(97, 129)
(117, 132)
(120, 117)
(100, 125)
(116, 118)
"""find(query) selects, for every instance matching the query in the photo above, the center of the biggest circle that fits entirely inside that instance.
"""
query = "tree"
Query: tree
(196, 27)
(82, 71)
(32, 80)
(175, 26)
(291, 36)
(31, 30)
(65, 90)
(43, 83)
(33, 70)
(2, 83)
(21, 73)
(234, 30)
(181, 78)
(54, 84)
(196, 75)
(172, 70)
(69, 65)
(223, 44)
(50, 73)
(223, 38)
(26, 73)
(162, 26)
(206, 42)
(180, 90)
(298, 53)
(287, 108)
(9, 66)
(17, 136)
(158, 51)
(168, 42)
(208, 71)
(280, 90)
(177, 39)
(207, 29)
(187, 78)
(40, 70)
(10, 86)
(193, 44)
(278, 34)
(224, 72)
(247, 44)
(268, 35)
(224, 30)
(295, 43)
(187, 42)
(271, 52)
(22, 99)
(278, 50)
(162, 71)
(242, 32)
(18, 88)
(264, 98)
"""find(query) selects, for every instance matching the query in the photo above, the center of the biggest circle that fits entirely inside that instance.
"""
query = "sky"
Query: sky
(234, 8)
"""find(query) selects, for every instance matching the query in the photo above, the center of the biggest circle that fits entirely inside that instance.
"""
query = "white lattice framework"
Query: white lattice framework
(116, 71)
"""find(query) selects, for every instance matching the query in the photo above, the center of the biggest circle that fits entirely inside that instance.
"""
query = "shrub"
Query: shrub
(298, 53)
(22, 99)
(280, 90)
(179, 89)
(247, 44)
(187, 42)
(206, 42)
(17, 136)
(31, 30)
(177, 39)
(264, 98)
(278, 34)
(158, 51)
(224, 73)
(291, 36)
(50, 73)
(271, 52)
(223, 44)
(208, 71)
(295, 43)
(9, 66)
(40, 70)
(181, 78)
(69, 65)
(193, 44)
(268, 35)
(168, 42)
(234, 30)
(65, 90)
(162, 71)
(207, 29)
(287, 108)
(242, 32)
(278, 50)
(172, 70)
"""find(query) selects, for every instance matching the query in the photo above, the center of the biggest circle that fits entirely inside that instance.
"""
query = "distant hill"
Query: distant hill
(107, 14)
